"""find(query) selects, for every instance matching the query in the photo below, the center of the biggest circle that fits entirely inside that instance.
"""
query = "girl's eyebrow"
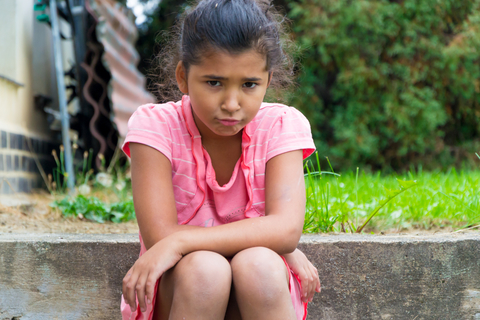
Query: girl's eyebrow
(212, 76)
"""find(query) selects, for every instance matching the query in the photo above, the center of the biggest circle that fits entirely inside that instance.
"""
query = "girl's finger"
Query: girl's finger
(140, 289)
(124, 281)
(312, 283)
(304, 281)
(128, 288)
(150, 287)
(315, 281)
(318, 287)
(124, 285)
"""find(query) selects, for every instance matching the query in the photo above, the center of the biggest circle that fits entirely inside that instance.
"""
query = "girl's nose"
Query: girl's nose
(231, 103)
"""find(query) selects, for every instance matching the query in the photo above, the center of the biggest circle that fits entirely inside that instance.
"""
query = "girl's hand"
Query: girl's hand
(141, 278)
(306, 272)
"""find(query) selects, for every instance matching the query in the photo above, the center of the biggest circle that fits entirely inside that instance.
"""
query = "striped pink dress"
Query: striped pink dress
(200, 200)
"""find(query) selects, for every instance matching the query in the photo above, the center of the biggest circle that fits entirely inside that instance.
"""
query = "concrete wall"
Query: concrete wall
(363, 277)
(26, 67)
(26, 70)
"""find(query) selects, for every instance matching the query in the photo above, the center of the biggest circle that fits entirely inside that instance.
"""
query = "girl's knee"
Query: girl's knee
(198, 279)
(259, 271)
(203, 273)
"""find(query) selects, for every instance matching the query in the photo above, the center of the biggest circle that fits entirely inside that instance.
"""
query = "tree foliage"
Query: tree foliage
(384, 83)
(389, 84)
(152, 35)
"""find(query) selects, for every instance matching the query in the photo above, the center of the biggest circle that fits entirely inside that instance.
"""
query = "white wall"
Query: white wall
(26, 69)
(26, 58)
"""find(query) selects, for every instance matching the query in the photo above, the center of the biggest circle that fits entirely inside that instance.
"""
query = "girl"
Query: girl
(217, 178)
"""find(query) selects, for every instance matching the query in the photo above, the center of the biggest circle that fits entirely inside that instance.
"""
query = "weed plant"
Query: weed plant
(94, 209)
(104, 196)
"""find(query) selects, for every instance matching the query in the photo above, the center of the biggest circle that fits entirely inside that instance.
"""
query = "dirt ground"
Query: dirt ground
(31, 213)
(22, 213)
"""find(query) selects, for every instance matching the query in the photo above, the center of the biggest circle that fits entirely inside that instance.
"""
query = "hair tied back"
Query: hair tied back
(232, 26)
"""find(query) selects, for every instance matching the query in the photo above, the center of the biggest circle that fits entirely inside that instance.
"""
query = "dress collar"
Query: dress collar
(189, 120)
(197, 150)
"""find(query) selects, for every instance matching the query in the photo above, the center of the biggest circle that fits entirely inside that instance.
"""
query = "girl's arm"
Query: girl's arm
(157, 217)
(280, 229)
(153, 194)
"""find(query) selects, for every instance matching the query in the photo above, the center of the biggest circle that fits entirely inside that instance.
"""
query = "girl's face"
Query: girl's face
(225, 91)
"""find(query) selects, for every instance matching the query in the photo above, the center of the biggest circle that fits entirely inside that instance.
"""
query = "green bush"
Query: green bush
(390, 84)
(385, 84)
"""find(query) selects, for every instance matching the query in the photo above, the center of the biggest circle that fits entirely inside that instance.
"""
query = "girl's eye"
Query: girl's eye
(214, 83)
(250, 85)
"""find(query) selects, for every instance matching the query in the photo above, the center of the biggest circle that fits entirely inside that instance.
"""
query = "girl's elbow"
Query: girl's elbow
(292, 237)
(289, 248)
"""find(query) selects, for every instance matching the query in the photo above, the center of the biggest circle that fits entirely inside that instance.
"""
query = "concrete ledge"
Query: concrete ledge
(72, 276)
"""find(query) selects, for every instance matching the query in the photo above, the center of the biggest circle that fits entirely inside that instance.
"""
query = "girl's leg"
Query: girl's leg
(233, 312)
(198, 287)
(261, 284)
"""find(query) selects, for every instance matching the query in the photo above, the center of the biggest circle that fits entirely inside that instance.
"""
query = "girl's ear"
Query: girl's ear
(181, 76)
(270, 74)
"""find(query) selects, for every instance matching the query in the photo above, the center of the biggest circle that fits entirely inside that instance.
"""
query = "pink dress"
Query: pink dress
(200, 200)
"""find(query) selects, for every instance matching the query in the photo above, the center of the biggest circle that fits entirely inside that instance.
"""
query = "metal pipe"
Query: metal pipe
(62, 101)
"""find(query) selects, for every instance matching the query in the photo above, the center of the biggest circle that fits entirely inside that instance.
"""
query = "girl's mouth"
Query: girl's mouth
(229, 122)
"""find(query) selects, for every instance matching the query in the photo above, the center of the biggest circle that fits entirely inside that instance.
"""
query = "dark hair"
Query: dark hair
(233, 26)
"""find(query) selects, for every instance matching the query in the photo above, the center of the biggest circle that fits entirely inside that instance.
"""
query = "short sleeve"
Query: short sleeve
(291, 131)
(149, 125)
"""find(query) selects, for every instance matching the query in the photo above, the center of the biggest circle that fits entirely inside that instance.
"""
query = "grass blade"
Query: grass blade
(319, 173)
(405, 185)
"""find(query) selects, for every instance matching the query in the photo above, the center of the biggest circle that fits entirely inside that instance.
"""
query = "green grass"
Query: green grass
(420, 200)
(345, 202)
(336, 202)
